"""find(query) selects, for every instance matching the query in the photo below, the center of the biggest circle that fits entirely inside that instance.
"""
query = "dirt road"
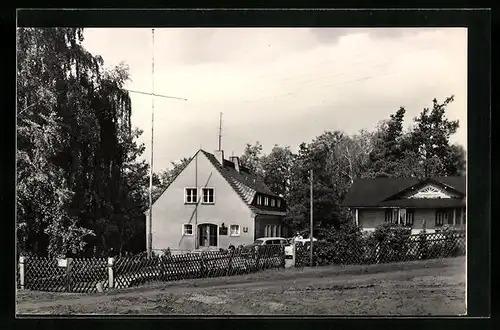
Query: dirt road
(434, 287)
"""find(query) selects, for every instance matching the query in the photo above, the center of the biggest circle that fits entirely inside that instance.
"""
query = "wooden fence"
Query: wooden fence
(99, 274)
(369, 251)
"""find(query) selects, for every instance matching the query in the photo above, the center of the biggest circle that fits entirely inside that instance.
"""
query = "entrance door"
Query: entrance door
(207, 234)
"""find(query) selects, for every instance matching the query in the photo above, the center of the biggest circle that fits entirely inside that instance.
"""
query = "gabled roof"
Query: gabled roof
(377, 192)
(244, 183)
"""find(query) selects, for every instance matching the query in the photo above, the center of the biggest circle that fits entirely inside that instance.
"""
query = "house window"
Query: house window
(234, 230)
(259, 200)
(279, 203)
(187, 229)
(391, 215)
(409, 217)
(208, 195)
(267, 231)
(273, 202)
(279, 231)
(266, 201)
(450, 218)
(191, 195)
(442, 217)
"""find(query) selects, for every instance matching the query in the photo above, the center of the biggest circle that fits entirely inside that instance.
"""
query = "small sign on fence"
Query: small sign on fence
(62, 262)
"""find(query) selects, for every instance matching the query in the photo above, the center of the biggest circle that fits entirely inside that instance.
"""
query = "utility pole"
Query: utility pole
(220, 131)
(311, 224)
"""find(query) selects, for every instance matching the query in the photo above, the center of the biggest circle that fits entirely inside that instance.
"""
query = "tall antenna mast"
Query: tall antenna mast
(220, 131)
(153, 95)
(150, 238)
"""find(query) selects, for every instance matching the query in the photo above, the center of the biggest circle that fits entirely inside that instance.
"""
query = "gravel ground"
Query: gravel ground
(431, 287)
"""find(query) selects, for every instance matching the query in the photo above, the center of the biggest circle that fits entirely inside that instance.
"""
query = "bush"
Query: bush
(451, 246)
(394, 242)
(342, 246)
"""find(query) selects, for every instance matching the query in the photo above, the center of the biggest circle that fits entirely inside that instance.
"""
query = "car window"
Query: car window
(269, 242)
(258, 242)
(284, 241)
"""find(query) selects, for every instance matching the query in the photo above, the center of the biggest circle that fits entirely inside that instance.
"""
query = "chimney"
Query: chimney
(236, 162)
(219, 154)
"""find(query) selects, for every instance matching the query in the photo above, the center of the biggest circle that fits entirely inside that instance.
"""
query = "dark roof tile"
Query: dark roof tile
(375, 192)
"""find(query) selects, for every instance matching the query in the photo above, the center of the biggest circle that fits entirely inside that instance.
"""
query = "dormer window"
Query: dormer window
(259, 200)
(266, 201)
(273, 202)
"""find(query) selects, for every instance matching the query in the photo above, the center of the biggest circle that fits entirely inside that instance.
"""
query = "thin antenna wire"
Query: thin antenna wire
(220, 131)
(153, 94)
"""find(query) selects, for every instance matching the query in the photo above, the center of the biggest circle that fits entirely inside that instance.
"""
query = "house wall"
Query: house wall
(369, 219)
(170, 212)
(262, 221)
(429, 215)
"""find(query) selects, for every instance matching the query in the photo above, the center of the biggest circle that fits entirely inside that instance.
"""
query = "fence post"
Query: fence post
(68, 274)
(111, 279)
(294, 254)
(283, 257)
(423, 242)
(21, 272)
(257, 257)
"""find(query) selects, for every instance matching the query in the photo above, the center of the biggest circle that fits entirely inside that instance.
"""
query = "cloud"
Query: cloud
(282, 86)
(332, 35)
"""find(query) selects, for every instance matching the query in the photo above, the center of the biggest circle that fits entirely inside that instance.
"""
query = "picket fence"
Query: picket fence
(366, 251)
(87, 275)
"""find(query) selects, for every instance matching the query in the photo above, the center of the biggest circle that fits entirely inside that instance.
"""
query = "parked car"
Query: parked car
(270, 241)
(304, 240)
(251, 248)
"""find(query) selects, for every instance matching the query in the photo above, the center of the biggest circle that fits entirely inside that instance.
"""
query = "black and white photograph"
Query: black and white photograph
(241, 171)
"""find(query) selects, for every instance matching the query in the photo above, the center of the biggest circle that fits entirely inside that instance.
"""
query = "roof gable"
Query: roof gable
(380, 191)
(370, 192)
(243, 183)
(429, 188)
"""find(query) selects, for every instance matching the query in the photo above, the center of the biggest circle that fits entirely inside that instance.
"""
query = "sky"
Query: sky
(280, 85)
